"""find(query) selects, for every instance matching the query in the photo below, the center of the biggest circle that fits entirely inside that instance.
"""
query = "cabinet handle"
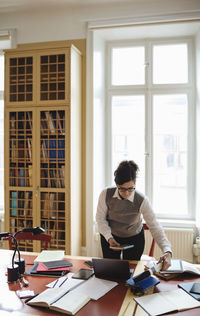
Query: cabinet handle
(36, 191)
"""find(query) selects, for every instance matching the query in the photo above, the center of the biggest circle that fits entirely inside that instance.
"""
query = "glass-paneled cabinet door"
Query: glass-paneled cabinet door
(20, 81)
(52, 175)
(53, 70)
(20, 148)
(20, 166)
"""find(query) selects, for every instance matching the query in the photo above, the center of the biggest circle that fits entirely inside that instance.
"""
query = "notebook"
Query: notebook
(112, 269)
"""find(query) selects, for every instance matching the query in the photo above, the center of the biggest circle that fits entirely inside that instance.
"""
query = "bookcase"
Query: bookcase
(43, 98)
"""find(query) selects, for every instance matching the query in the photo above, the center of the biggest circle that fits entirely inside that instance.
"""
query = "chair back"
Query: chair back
(46, 238)
(151, 251)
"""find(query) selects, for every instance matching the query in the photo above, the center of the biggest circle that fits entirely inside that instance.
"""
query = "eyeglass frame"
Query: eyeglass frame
(123, 190)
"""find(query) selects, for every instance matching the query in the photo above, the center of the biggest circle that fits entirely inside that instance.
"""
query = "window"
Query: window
(151, 113)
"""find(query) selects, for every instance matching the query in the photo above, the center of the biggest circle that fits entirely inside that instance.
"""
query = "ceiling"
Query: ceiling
(27, 5)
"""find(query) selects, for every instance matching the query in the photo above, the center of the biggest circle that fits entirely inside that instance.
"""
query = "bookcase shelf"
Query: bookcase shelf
(40, 174)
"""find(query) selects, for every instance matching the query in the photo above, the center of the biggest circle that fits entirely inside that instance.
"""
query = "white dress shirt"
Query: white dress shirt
(147, 213)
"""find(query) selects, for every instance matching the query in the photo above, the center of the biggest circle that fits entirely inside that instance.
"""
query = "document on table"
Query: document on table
(66, 282)
(95, 287)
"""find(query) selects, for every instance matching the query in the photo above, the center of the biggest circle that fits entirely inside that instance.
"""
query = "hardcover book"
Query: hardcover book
(165, 302)
(59, 300)
(142, 285)
(187, 287)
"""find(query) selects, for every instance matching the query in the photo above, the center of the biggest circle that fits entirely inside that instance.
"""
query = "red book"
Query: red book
(42, 268)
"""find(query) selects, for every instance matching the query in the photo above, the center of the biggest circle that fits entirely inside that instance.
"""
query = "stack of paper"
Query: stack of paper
(50, 255)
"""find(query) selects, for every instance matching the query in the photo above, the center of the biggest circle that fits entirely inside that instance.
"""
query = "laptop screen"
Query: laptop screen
(111, 269)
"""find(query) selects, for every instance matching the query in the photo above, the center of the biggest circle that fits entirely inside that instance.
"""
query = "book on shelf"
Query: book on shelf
(44, 153)
(165, 302)
(52, 205)
(13, 203)
(61, 149)
(13, 123)
(21, 180)
(29, 119)
(50, 122)
(61, 172)
(30, 174)
(187, 287)
(59, 124)
(20, 153)
(29, 151)
(13, 150)
(45, 205)
(27, 203)
(60, 300)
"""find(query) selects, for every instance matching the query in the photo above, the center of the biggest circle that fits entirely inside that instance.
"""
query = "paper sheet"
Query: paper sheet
(95, 287)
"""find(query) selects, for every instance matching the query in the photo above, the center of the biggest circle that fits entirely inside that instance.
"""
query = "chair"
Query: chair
(151, 251)
(45, 238)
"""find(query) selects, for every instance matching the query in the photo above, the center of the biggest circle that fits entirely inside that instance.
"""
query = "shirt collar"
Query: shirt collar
(130, 198)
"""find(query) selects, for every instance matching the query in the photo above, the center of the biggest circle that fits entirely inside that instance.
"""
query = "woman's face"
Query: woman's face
(126, 189)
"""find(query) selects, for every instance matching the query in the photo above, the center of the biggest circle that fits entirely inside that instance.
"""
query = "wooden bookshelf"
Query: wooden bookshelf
(42, 144)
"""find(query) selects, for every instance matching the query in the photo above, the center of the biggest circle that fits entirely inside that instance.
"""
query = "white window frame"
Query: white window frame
(148, 90)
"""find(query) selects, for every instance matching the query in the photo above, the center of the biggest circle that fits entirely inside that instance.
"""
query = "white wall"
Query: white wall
(198, 127)
(52, 23)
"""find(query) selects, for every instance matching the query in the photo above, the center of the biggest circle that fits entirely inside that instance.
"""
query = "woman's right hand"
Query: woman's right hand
(112, 242)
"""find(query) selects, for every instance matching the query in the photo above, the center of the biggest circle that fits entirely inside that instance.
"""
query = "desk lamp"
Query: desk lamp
(18, 266)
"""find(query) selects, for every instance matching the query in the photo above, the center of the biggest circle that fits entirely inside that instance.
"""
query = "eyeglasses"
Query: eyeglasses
(131, 189)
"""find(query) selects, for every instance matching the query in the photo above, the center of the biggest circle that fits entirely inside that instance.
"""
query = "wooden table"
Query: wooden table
(118, 301)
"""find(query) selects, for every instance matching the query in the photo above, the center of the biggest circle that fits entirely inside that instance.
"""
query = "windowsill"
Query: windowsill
(177, 223)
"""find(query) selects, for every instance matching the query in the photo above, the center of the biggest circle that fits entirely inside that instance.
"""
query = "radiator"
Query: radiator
(181, 241)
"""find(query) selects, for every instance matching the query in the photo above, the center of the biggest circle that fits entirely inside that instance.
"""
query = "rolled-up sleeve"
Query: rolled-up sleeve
(155, 227)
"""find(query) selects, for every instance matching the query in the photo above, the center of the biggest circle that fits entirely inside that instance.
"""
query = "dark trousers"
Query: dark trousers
(134, 253)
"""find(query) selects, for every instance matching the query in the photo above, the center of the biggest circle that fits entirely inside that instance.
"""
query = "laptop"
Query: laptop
(112, 269)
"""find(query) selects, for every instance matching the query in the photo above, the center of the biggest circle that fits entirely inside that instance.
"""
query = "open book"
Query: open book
(177, 267)
(165, 302)
(60, 300)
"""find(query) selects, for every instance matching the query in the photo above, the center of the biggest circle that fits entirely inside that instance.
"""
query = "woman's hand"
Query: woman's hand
(112, 242)
(165, 260)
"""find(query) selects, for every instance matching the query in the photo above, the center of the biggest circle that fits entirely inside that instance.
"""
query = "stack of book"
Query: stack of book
(50, 268)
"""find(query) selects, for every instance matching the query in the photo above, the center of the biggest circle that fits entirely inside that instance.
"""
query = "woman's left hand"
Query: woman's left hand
(165, 260)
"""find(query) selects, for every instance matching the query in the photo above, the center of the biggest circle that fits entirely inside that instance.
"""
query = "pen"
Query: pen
(63, 273)
(55, 283)
(30, 298)
(63, 282)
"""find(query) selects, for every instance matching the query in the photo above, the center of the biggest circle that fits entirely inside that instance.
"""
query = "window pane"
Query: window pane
(128, 66)
(128, 132)
(170, 130)
(170, 64)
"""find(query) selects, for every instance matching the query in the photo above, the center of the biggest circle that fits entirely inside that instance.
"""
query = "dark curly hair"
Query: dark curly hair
(126, 171)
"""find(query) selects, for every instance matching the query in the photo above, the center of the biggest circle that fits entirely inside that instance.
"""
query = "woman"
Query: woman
(119, 218)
